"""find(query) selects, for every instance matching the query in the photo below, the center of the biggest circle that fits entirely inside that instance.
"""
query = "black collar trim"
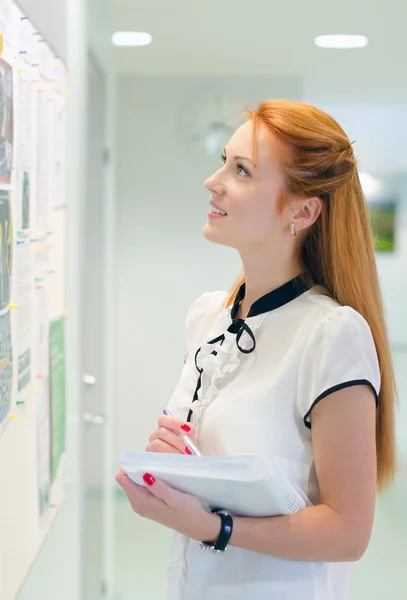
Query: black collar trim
(275, 299)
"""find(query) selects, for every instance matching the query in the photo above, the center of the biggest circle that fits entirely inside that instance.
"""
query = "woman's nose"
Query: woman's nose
(213, 185)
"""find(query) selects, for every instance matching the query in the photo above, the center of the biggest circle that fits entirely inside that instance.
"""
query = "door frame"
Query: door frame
(108, 381)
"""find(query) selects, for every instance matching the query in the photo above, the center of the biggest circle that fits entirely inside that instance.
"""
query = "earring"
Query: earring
(293, 232)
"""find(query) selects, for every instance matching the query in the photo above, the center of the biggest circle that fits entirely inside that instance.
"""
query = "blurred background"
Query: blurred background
(147, 124)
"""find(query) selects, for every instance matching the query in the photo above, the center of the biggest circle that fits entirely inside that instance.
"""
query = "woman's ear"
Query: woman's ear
(306, 212)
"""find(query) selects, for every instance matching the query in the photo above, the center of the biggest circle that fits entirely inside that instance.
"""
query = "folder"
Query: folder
(248, 485)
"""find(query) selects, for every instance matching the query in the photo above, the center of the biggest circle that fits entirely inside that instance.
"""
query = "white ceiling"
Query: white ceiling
(265, 37)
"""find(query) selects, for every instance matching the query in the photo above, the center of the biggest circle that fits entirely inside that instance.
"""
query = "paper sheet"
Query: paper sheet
(6, 121)
(6, 259)
(58, 140)
(43, 164)
(6, 367)
(23, 276)
(24, 154)
(25, 133)
(27, 41)
(45, 60)
(41, 368)
(6, 249)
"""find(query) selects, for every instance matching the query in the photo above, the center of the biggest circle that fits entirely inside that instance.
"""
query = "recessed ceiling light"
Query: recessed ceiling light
(131, 38)
(341, 41)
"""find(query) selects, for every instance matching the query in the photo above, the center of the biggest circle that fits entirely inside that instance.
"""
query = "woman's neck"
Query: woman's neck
(261, 279)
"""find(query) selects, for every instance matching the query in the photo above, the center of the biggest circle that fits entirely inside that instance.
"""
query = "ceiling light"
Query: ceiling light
(131, 38)
(370, 185)
(341, 41)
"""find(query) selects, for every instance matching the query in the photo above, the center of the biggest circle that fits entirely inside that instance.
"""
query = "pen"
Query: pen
(188, 442)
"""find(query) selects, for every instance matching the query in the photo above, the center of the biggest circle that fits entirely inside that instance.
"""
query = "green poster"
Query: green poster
(58, 393)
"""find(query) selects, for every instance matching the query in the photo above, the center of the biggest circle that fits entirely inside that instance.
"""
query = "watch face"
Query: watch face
(208, 122)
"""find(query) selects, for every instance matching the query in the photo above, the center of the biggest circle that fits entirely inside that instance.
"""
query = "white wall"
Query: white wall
(164, 262)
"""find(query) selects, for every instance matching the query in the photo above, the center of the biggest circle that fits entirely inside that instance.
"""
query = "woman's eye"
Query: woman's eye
(242, 170)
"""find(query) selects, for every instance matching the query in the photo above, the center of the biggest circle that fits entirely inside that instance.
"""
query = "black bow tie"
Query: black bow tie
(239, 326)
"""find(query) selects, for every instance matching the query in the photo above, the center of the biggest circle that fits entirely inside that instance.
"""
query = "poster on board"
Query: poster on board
(58, 141)
(6, 354)
(43, 163)
(6, 122)
(6, 367)
(24, 159)
(23, 278)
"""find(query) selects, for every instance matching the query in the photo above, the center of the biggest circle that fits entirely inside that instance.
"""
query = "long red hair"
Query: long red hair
(338, 250)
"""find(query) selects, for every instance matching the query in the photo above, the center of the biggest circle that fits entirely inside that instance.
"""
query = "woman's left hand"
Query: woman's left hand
(172, 508)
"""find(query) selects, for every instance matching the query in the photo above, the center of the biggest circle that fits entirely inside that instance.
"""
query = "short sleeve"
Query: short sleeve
(340, 353)
(199, 315)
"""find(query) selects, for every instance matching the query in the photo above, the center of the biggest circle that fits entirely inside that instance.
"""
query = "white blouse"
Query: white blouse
(258, 384)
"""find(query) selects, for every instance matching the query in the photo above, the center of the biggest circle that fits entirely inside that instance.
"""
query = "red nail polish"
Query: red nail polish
(185, 427)
(188, 450)
(149, 479)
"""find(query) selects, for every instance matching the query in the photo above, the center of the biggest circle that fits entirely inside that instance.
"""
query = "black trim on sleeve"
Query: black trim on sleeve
(336, 388)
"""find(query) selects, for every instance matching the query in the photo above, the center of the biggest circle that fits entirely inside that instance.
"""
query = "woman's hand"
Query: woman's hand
(166, 439)
(172, 508)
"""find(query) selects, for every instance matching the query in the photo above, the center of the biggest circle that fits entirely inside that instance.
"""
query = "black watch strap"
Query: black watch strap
(225, 532)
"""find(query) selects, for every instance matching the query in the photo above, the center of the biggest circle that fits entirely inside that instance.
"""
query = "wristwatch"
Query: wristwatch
(225, 533)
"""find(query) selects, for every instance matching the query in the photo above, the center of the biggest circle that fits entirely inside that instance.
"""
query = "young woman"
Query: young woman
(293, 362)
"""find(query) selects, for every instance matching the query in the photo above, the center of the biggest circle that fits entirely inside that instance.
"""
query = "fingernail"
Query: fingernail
(149, 479)
(185, 427)
(188, 450)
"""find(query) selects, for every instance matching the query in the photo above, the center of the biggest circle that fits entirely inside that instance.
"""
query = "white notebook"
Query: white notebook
(249, 485)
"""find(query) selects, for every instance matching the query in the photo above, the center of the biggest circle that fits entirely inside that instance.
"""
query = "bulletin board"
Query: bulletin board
(33, 213)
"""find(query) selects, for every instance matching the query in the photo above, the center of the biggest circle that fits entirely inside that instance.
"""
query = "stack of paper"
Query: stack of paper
(249, 485)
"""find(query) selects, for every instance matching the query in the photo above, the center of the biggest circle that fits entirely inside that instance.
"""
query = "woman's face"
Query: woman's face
(248, 194)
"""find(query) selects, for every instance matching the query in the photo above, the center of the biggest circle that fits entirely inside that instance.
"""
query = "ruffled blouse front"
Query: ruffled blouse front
(216, 360)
